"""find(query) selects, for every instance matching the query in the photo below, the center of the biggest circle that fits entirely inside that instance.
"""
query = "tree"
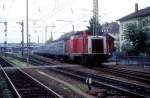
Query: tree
(95, 26)
(49, 40)
(128, 49)
(136, 35)
(112, 27)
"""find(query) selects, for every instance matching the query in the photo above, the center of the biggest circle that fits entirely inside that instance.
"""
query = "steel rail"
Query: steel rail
(128, 73)
(41, 84)
(139, 76)
(132, 92)
(97, 82)
(35, 81)
(13, 88)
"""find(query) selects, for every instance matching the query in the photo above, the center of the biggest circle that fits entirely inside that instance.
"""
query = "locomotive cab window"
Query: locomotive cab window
(97, 46)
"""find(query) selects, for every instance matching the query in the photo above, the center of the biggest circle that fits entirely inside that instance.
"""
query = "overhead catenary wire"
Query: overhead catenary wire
(114, 5)
(10, 7)
(59, 8)
(7, 7)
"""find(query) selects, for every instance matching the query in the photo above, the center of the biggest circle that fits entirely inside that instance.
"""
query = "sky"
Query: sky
(58, 16)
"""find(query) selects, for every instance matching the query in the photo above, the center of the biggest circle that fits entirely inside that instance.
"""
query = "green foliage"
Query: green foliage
(95, 26)
(128, 49)
(136, 34)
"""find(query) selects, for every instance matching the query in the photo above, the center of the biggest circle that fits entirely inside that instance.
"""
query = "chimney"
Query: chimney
(136, 7)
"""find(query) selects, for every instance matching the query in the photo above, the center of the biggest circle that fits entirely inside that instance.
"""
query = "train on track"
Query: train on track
(81, 47)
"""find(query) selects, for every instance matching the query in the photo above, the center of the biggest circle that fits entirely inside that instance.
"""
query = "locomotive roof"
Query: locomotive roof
(66, 36)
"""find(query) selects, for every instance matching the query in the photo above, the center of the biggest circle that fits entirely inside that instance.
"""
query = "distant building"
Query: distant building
(135, 17)
(112, 29)
(15, 47)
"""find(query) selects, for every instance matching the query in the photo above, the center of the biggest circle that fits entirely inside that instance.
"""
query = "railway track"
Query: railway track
(4, 63)
(121, 86)
(133, 90)
(32, 60)
(28, 87)
(25, 86)
(45, 59)
(130, 74)
(5, 91)
(134, 75)
(39, 61)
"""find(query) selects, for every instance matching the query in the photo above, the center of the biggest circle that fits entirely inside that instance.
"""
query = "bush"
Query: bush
(128, 49)
(135, 35)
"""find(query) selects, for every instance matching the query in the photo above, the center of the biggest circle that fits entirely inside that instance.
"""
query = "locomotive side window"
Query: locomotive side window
(97, 46)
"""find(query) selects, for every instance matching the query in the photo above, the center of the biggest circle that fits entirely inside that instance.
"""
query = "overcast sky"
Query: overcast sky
(49, 12)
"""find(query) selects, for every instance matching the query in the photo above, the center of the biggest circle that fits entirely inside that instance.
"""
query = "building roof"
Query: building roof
(141, 13)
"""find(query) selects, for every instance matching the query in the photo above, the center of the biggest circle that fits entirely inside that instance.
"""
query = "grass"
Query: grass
(18, 63)
(82, 87)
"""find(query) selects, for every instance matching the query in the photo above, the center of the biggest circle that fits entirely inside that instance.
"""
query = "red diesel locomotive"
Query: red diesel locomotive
(80, 47)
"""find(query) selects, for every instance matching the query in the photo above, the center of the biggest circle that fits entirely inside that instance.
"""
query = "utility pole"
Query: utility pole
(95, 14)
(5, 23)
(73, 28)
(29, 46)
(22, 42)
(27, 19)
(5, 30)
(95, 8)
(38, 40)
(51, 36)
(37, 37)
(46, 33)
(29, 41)
(46, 27)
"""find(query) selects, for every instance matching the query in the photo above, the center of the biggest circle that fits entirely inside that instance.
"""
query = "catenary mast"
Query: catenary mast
(95, 14)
